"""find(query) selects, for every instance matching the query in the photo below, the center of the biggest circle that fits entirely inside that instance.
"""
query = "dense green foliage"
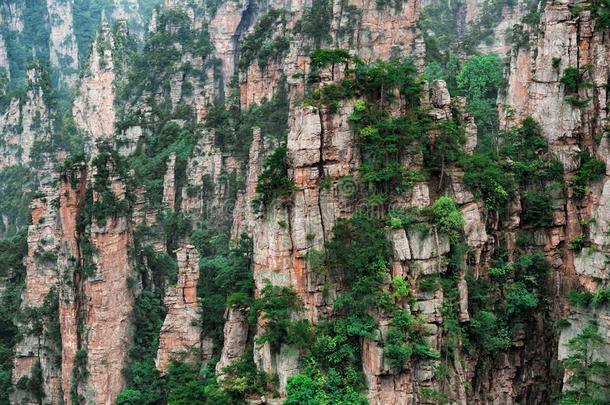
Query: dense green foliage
(482, 29)
(439, 25)
(150, 163)
(327, 58)
(448, 218)
(521, 167)
(488, 180)
(15, 186)
(590, 170)
(226, 274)
(152, 67)
(585, 299)
(108, 163)
(191, 384)
(278, 306)
(87, 18)
(226, 279)
(480, 79)
(34, 38)
(12, 251)
(331, 374)
(142, 375)
(512, 295)
(598, 9)
(445, 149)
(316, 22)
(601, 9)
(322, 58)
(406, 339)
(358, 254)
(260, 46)
(510, 164)
(233, 126)
(382, 137)
(573, 80)
(273, 183)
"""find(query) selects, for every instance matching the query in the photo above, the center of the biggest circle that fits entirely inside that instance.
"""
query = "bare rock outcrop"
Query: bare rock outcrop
(62, 42)
(180, 335)
(93, 108)
(235, 338)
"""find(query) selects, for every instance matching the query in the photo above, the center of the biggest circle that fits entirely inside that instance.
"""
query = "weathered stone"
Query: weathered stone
(235, 338)
(169, 183)
(401, 244)
(62, 47)
(427, 244)
(593, 264)
(93, 108)
(440, 95)
(180, 334)
(474, 228)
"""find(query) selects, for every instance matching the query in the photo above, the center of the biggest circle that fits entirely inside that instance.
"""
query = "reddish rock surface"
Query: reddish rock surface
(180, 336)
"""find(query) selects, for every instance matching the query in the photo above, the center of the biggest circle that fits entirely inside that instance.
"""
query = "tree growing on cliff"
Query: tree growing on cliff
(274, 181)
(601, 9)
(479, 80)
(323, 58)
(587, 374)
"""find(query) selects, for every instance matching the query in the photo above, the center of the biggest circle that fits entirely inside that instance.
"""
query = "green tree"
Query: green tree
(302, 389)
(480, 79)
(446, 148)
(316, 22)
(586, 370)
(448, 218)
(601, 9)
(488, 180)
(279, 304)
(274, 181)
(322, 58)
(130, 397)
(12, 251)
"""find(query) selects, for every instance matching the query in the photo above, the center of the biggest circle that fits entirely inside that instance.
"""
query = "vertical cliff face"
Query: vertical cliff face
(93, 108)
(62, 42)
(570, 40)
(27, 120)
(75, 259)
(232, 162)
(72, 196)
(180, 336)
(108, 316)
(37, 355)
(4, 62)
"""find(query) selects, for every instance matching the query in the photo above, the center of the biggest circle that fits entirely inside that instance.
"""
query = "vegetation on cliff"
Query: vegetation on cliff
(12, 272)
(444, 266)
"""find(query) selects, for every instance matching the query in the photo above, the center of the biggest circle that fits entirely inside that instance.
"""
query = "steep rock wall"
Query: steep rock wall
(180, 336)
(93, 108)
(96, 309)
(62, 47)
(569, 40)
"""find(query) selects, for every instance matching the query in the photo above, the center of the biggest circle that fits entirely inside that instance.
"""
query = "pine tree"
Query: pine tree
(586, 373)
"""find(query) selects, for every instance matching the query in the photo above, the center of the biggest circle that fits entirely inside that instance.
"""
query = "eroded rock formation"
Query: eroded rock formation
(180, 335)
(89, 250)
